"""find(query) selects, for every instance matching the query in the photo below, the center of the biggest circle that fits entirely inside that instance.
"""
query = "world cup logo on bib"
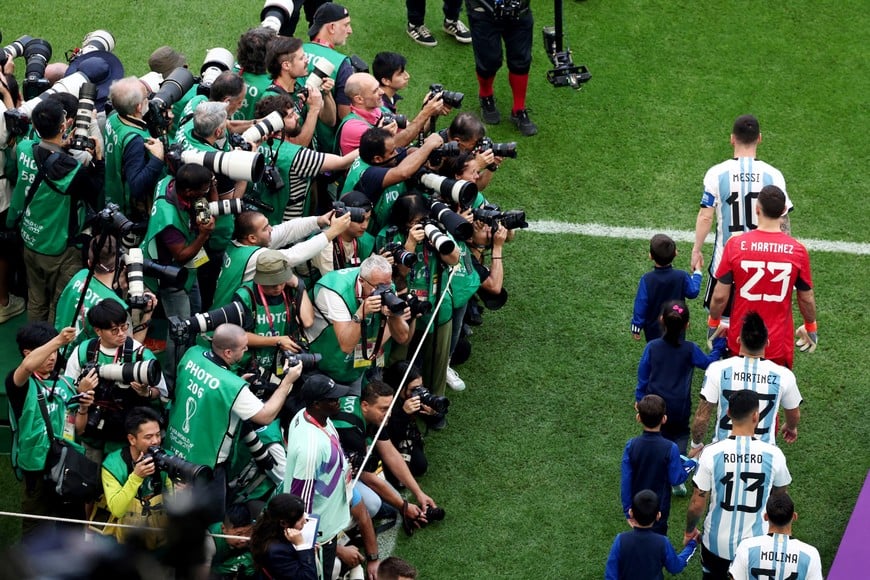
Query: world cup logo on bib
(189, 412)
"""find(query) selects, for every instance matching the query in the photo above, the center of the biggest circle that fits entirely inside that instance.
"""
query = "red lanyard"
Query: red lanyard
(269, 313)
(333, 439)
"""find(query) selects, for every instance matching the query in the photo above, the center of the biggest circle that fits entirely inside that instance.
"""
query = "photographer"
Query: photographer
(107, 283)
(212, 400)
(134, 162)
(114, 399)
(382, 169)
(52, 191)
(11, 266)
(39, 343)
(281, 310)
(353, 328)
(402, 424)
(426, 280)
(253, 235)
(356, 429)
(491, 270)
(251, 65)
(365, 93)
(331, 28)
(354, 244)
(296, 165)
(287, 64)
(133, 488)
(176, 238)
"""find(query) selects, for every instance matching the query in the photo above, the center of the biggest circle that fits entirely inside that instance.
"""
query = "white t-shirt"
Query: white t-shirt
(739, 473)
(776, 386)
(776, 556)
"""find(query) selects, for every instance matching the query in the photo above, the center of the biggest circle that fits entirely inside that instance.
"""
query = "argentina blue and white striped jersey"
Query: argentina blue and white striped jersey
(775, 385)
(731, 187)
(776, 556)
(738, 473)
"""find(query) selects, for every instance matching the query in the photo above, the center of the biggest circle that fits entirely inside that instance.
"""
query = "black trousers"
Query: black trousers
(417, 10)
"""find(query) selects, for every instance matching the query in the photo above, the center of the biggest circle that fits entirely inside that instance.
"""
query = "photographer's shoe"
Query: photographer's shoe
(457, 30)
(454, 381)
(13, 308)
(421, 35)
(523, 123)
(488, 112)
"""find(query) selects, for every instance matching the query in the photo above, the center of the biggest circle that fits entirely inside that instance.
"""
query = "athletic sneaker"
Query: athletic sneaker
(421, 35)
(679, 490)
(13, 308)
(523, 123)
(488, 112)
(454, 381)
(457, 30)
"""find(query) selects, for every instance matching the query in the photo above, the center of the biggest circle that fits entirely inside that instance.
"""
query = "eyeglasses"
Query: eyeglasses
(117, 330)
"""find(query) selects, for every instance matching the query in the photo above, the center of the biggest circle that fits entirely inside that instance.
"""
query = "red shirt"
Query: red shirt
(765, 267)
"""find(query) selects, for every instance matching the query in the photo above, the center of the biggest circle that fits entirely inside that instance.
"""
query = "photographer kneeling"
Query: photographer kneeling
(132, 484)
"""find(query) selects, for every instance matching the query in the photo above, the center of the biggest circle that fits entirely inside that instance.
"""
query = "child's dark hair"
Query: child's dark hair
(662, 249)
(675, 319)
(652, 410)
(753, 333)
(645, 507)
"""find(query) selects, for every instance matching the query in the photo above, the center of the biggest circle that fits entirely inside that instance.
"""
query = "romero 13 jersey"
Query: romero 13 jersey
(739, 473)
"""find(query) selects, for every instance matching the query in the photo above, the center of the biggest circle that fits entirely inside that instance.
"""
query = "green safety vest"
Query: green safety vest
(118, 136)
(381, 211)
(69, 299)
(51, 221)
(324, 134)
(241, 458)
(256, 86)
(116, 466)
(278, 199)
(335, 363)
(350, 116)
(283, 323)
(163, 215)
(180, 107)
(466, 281)
(29, 437)
(201, 414)
(232, 274)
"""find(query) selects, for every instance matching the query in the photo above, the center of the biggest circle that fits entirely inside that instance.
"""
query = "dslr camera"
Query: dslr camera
(183, 331)
(389, 299)
(176, 468)
(81, 139)
(450, 98)
(401, 120)
(400, 254)
(507, 9)
(357, 214)
(498, 149)
(438, 404)
(418, 307)
(491, 215)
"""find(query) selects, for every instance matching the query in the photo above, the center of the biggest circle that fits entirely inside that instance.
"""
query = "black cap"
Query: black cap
(356, 199)
(319, 387)
(329, 12)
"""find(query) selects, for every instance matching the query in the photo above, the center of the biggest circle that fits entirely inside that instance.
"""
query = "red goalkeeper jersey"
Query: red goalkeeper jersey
(765, 267)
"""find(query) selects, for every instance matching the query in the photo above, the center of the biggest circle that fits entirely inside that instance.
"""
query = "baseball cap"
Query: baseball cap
(329, 12)
(273, 268)
(319, 387)
(165, 60)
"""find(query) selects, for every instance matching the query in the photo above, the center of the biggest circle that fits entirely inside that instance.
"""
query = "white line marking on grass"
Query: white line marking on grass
(602, 231)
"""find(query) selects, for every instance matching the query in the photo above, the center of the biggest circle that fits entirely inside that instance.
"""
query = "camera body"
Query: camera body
(81, 139)
(450, 98)
(171, 90)
(400, 254)
(494, 217)
(183, 331)
(507, 9)
(272, 179)
(438, 404)
(387, 117)
(498, 149)
(238, 142)
(176, 468)
(389, 299)
(357, 214)
(418, 307)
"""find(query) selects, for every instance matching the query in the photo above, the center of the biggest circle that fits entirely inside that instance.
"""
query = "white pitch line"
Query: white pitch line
(603, 231)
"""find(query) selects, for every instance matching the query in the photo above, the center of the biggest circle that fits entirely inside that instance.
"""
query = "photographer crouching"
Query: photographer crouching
(129, 376)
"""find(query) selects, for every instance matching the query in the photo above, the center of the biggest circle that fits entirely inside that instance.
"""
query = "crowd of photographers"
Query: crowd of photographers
(298, 250)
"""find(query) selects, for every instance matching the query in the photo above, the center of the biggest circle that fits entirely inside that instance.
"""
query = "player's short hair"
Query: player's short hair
(771, 200)
(645, 507)
(662, 249)
(780, 509)
(386, 64)
(746, 129)
(753, 333)
(741, 405)
(651, 409)
(394, 568)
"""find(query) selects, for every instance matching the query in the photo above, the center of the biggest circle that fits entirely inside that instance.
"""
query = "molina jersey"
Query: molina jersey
(776, 556)
(764, 268)
(775, 385)
(739, 473)
(732, 187)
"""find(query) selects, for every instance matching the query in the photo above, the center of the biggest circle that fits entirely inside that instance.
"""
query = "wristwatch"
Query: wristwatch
(373, 557)
(355, 318)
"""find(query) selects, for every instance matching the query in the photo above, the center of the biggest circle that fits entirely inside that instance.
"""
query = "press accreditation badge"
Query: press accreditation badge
(69, 426)
(198, 260)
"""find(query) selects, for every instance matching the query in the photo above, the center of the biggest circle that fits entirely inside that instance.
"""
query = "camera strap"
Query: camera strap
(37, 181)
